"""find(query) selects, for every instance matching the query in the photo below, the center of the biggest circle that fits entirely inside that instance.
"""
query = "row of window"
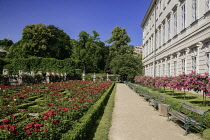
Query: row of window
(183, 66)
(164, 32)
(162, 5)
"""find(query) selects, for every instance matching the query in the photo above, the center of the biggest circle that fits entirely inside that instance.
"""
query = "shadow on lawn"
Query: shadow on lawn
(177, 94)
(186, 97)
(200, 102)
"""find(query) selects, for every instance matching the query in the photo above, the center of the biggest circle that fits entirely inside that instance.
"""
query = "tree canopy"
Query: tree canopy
(121, 58)
(119, 37)
(88, 52)
(42, 41)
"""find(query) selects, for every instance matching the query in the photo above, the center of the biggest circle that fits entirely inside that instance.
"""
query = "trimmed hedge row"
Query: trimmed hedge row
(41, 64)
(84, 126)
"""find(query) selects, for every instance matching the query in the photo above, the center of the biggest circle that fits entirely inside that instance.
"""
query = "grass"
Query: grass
(102, 130)
(189, 98)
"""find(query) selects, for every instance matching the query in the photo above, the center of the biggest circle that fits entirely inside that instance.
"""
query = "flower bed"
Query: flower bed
(46, 111)
(191, 81)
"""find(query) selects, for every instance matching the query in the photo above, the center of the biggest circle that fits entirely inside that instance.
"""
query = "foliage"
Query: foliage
(41, 41)
(42, 64)
(102, 132)
(125, 65)
(88, 51)
(191, 81)
(206, 134)
(119, 37)
(175, 100)
(2, 63)
(82, 129)
(6, 43)
(121, 58)
(57, 107)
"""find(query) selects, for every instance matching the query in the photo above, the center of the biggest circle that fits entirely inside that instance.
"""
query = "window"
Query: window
(175, 23)
(160, 37)
(183, 65)
(208, 62)
(163, 69)
(169, 69)
(152, 43)
(151, 71)
(175, 66)
(194, 10)
(155, 71)
(183, 17)
(164, 4)
(194, 63)
(156, 43)
(159, 70)
(164, 34)
(157, 12)
(169, 29)
(160, 6)
(207, 5)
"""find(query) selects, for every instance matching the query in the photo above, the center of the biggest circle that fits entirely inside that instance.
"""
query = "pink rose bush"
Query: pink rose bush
(191, 81)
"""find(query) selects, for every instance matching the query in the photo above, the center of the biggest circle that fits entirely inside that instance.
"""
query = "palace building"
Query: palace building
(176, 37)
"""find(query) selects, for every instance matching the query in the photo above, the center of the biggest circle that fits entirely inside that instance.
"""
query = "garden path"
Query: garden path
(134, 119)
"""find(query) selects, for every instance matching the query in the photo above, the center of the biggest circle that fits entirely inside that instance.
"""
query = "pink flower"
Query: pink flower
(28, 132)
(45, 118)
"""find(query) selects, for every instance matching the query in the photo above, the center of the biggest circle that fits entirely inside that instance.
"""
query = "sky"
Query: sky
(73, 16)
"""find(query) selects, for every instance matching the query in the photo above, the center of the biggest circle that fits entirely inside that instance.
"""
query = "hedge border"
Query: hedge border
(81, 129)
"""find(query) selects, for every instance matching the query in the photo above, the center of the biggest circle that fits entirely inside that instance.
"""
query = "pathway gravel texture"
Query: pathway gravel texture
(134, 119)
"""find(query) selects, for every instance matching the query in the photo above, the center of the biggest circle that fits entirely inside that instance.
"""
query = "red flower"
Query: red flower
(45, 118)
(45, 130)
(32, 123)
(27, 127)
(55, 121)
(24, 110)
(11, 128)
(12, 116)
(37, 129)
(5, 121)
(28, 132)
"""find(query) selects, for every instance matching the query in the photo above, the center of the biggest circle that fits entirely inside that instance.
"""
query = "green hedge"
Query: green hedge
(3, 62)
(84, 126)
(41, 64)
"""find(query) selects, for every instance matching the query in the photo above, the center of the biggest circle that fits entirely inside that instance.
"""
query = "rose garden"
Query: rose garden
(51, 110)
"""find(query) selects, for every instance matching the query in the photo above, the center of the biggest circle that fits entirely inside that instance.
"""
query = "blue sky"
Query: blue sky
(74, 16)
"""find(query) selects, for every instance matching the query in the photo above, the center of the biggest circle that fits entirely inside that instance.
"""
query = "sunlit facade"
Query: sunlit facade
(176, 37)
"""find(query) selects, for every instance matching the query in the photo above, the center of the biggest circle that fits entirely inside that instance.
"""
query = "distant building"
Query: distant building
(138, 49)
(176, 37)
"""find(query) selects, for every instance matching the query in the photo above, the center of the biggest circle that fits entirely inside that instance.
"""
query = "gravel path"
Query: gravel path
(134, 119)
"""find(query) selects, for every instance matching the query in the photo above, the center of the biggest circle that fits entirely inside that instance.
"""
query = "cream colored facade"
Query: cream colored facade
(176, 37)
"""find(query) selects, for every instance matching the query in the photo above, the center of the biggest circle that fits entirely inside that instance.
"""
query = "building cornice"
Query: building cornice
(151, 7)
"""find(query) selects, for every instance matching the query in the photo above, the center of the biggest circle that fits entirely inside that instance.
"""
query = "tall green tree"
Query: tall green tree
(6, 43)
(126, 65)
(121, 58)
(42, 41)
(119, 37)
(87, 50)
